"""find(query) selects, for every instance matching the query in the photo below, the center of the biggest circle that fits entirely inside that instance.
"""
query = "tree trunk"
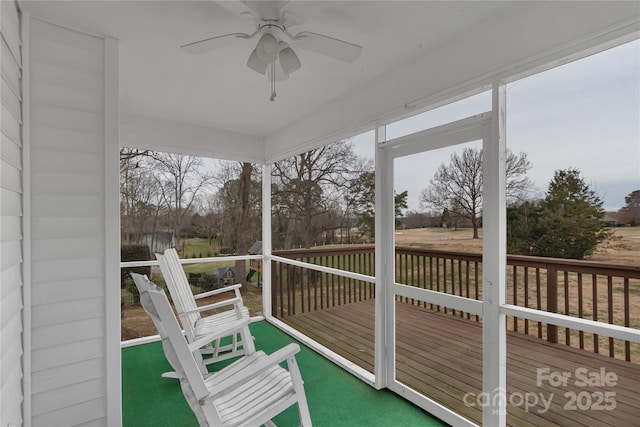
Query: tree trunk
(242, 218)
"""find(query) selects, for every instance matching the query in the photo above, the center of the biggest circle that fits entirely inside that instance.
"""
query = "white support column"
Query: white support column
(384, 258)
(266, 240)
(25, 25)
(112, 228)
(494, 341)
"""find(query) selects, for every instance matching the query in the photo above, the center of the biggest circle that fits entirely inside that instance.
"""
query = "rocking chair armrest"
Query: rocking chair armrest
(235, 288)
(286, 353)
(237, 302)
(224, 331)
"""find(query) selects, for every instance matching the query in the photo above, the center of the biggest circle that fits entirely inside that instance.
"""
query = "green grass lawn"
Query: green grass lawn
(200, 248)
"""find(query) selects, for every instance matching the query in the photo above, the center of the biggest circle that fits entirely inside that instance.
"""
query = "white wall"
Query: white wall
(71, 192)
(11, 190)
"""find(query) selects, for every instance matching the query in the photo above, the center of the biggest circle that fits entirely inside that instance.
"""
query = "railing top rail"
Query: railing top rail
(560, 264)
(335, 250)
(191, 260)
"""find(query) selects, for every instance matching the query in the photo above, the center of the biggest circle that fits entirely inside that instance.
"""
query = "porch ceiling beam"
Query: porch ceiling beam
(458, 132)
(161, 135)
(527, 38)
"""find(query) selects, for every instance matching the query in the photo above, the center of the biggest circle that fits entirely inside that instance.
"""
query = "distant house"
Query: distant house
(613, 219)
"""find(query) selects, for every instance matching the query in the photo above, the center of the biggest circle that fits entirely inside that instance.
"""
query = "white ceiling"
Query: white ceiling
(215, 90)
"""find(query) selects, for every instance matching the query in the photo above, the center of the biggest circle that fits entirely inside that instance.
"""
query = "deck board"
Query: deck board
(440, 355)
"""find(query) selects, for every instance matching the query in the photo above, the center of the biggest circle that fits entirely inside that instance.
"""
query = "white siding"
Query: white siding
(11, 281)
(68, 238)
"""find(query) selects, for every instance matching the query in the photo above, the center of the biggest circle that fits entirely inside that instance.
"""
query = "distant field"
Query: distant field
(621, 247)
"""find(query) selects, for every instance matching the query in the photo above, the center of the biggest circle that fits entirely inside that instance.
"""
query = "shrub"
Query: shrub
(133, 252)
(208, 281)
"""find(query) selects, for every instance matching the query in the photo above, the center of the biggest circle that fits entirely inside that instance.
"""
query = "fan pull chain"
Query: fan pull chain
(273, 82)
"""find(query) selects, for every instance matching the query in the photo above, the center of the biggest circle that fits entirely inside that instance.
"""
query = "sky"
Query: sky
(584, 115)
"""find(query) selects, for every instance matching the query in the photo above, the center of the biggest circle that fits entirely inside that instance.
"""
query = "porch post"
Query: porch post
(384, 258)
(266, 240)
(494, 341)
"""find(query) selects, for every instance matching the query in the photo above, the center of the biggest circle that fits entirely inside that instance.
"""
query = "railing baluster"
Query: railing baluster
(612, 350)
(538, 300)
(580, 310)
(515, 294)
(444, 279)
(627, 344)
(526, 297)
(552, 301)
(477, 286)
(567, 331)
(594, 290)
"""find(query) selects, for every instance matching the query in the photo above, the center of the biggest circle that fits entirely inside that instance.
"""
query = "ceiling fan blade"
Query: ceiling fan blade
(206, 45)
(328, 46)
(265, 10)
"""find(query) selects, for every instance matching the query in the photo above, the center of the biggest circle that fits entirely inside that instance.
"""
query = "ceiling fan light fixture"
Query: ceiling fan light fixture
(289, 60)
(277, 72)
(256, 64)
(268, 48)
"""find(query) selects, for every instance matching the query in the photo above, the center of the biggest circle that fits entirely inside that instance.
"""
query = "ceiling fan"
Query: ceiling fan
(273, 54)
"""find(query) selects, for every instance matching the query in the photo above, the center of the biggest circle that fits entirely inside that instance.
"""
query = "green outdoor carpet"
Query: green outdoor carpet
(335, 397)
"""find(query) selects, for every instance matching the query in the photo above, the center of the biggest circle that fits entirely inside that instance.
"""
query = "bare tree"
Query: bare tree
(456, 188)
(180, 181)
(139, 202)
(304, 185)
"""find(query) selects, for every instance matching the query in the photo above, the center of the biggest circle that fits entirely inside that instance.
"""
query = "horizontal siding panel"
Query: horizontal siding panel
(63, 227)
(11, 406)
(11, 337)
(10, 16)
(10, 202)
(68, 290)
(10, 152)
(65, 118)
(11, 368)
(11, 254)
(66, 183)
(10, 177)
(11, 279)
(11, 100)
(11, 306)
(46, 93)
(68, 396)
(53, 249)
(88, 164)
(68, 355)
(63, 76)
(50, 379)
(60, 270)
(73, 415)
(67, 312)
(10, 228)
(66, 333)
(11, 28)
(66, 205)
(9, 68)
(45, 137)
(10, 126)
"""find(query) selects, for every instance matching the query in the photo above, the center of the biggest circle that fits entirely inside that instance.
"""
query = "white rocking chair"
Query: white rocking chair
(249, 392)
(197, 326)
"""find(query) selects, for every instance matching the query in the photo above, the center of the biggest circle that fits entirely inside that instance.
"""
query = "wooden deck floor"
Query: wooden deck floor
(441, 356)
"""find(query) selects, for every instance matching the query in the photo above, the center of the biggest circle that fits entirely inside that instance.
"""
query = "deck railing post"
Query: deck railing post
(552, 300)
